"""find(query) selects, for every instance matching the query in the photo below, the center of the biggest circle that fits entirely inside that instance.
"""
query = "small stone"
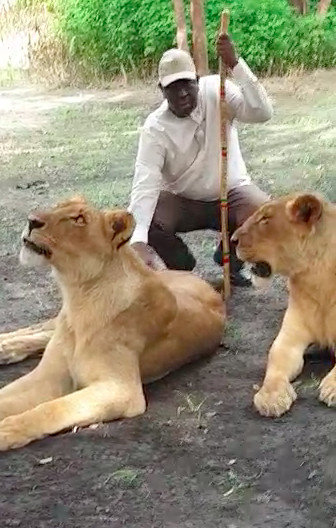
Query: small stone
(44, 461)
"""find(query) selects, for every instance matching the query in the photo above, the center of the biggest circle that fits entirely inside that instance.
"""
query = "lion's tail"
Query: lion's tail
(25, 342)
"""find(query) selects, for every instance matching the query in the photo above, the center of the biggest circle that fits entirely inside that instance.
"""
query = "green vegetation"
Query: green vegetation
(118, 35)
(102, 38)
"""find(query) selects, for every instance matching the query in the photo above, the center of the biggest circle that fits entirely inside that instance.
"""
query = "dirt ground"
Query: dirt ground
(200, 457)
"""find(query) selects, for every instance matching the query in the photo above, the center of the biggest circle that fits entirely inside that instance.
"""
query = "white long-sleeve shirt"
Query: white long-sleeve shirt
(182, 155)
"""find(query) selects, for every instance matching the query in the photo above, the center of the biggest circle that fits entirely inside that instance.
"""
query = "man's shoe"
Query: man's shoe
(237, 273)
(237, 278)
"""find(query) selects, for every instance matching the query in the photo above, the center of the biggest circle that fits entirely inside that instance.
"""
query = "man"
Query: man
(176, 187)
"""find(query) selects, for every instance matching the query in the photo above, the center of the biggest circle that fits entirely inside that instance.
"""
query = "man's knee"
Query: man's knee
(166, 213)
(245, 201)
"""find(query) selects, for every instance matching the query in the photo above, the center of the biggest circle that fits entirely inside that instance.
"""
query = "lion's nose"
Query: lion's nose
(238, 234)
(235, 238)
(35, 223)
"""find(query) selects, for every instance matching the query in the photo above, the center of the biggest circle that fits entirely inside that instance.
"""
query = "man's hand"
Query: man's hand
(226, 51)
(149, 256)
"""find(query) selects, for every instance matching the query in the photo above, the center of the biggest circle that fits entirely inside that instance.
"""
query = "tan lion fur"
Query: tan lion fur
(121, 325)
(296, 236)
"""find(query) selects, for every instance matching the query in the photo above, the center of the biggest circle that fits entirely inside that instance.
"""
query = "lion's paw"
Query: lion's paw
(328, 390)
(10, 354)
(12, 434)
(275, 399)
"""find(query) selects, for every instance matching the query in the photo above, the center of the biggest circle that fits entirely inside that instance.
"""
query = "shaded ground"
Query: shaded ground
(200, 457)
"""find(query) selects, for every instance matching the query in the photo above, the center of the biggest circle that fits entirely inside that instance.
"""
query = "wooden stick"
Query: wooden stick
(181, 31)
(223, 165)
(199, 39)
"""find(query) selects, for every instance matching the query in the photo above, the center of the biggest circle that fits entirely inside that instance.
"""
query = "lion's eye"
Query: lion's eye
(264, 220)
(78, 220)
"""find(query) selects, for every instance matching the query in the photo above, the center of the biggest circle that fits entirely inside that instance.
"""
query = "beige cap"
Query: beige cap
(176, 64)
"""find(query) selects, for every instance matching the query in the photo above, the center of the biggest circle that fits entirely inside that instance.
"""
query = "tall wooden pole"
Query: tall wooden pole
(322, 7)
(223, 164)
(301, 6)
(181, 32)
(199, 40)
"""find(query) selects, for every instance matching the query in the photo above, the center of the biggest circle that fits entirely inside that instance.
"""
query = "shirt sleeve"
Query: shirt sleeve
(248, 102)
(146, 183)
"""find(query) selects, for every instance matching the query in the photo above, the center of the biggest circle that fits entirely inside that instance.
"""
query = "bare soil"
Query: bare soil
(201, 457)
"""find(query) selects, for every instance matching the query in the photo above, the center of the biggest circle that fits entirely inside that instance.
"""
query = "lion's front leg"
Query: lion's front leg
(285, 362)
(25, 342)
(102, 401)
(49, 380)
(113, 389)
(328, 389)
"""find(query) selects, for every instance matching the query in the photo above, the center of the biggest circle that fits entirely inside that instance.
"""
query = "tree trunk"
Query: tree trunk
(301, 6)
(181, 32)
(199, 41)
(322, 7)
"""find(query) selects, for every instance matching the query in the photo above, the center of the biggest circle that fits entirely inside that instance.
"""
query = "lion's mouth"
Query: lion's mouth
(39, 249)
(262, 269)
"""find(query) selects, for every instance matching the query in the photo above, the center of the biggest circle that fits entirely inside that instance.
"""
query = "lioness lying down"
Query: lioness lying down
(121, 324)
(295, 236)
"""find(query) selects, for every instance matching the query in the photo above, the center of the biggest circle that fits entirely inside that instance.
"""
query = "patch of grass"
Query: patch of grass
(192, 406)
(235, 482)
(125, 478)
(208, 247)
(295, 149)
(77, 143)
(88, 150)
(10, 76)
(233, 333)
(307, 384)
(234, 486)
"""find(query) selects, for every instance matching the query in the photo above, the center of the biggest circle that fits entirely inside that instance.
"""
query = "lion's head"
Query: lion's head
(73, 233)
(283, 235)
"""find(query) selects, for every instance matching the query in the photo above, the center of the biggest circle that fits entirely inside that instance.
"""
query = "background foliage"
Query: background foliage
(118, 36)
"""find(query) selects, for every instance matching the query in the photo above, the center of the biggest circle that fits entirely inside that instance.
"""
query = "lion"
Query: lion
(121, 325)
(294, 236)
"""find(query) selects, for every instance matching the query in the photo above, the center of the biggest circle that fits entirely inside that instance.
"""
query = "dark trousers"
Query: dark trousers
(175, 214)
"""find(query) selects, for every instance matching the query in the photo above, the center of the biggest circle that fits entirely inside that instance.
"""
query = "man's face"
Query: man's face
(181, 96)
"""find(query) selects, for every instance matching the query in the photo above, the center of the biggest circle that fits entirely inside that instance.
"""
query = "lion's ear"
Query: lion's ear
(305, 209)
(120, 225)
(78, 198)
(75, 200)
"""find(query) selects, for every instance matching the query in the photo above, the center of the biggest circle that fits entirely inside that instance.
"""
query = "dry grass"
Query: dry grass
(47, 59)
